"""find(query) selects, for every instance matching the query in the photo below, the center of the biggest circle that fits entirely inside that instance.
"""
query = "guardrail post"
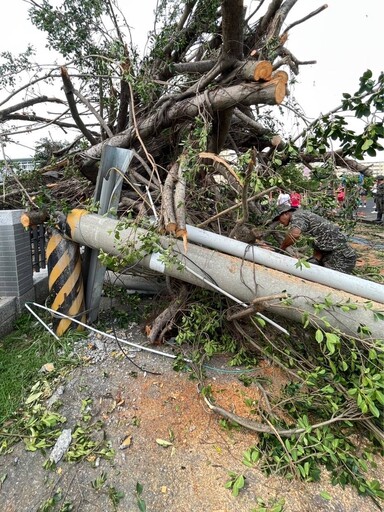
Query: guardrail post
(113, 166)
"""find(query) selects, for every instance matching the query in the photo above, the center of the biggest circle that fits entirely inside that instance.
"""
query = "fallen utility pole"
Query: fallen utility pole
(350, 284)
(242, 279)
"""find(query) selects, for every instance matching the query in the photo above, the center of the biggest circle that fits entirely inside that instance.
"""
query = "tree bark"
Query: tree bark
(33, 218)
(179, 201)
(168, 209)
(268, 93)
(69, 93)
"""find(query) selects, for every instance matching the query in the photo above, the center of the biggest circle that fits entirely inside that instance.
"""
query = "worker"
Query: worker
(379, 199)
(283, 198)
(295, 199)
(330, 245)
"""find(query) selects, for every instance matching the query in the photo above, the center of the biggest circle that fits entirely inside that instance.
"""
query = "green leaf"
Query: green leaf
(344, 366)
(367, 144)
(141, 504)
(319, 336)
(379, 396)
(330, 347)
(332, 341)
(163, 443)
(33, 397)
(325, 495)
(333, 338)
(302, 470)
(333, 367)
(374, 410)
(260, 321)
(238, 485)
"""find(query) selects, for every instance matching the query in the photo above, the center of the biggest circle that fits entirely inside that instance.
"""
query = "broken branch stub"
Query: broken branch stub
(280, 79)
(179, 204)
(33, 218)
(169, 216)
(263, 71)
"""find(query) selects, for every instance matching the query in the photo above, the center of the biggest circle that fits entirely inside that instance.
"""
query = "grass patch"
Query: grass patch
(22, 354)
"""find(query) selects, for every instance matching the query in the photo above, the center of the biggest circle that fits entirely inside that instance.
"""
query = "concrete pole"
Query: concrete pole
(286, 264)
(242, 279)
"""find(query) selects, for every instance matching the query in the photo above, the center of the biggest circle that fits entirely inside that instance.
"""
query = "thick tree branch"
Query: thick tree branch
(353, 415)
(27, 103)
(69, 93)
(216, 100)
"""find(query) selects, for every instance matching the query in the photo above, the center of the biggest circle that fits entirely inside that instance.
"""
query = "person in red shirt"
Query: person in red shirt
(295, 199)
(340, 195)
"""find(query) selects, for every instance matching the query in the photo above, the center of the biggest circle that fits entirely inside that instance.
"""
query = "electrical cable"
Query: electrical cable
(266, 319)
(214, 285)
(118, 341)
(125, 342)
(116, 338)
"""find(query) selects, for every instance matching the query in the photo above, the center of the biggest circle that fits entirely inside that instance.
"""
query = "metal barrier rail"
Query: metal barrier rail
(38, 245)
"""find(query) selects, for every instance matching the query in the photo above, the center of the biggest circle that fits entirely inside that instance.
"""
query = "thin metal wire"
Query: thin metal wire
(41, 321)
(266, 319)
(140, 347)
(62, 315)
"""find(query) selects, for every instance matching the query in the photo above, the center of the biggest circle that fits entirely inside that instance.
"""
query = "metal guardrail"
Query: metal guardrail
(38, 245)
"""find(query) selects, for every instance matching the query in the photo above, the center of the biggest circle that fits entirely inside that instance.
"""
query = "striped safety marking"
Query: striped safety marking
(65, 281)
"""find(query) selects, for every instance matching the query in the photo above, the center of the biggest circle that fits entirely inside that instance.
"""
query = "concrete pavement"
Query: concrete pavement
(367, 214)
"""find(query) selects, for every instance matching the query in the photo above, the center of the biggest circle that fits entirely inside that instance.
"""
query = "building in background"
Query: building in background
(18, 165)
(376, 168)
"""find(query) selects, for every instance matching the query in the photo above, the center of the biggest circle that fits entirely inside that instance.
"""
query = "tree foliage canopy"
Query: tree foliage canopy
(206, 62)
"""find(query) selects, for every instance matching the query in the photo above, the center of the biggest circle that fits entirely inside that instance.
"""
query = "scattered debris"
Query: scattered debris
(61, 446)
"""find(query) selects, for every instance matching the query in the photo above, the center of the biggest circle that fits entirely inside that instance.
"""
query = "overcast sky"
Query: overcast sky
(345, 40)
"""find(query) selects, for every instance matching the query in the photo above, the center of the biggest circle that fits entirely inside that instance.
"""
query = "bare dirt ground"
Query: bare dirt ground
(371, 253)
(138, 409)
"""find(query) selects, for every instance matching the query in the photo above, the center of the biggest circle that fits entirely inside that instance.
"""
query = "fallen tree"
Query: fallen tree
(210, 82)
(346, 327)
(206, 61)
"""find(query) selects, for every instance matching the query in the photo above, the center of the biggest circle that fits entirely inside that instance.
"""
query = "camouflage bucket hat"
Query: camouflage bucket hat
(282, 208)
